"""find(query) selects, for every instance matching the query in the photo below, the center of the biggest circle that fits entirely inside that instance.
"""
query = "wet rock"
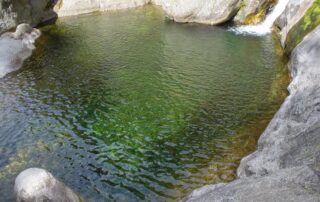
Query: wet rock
(252, 11)
(14, 12)
(35, 184)
(15, 47)
(211, 12)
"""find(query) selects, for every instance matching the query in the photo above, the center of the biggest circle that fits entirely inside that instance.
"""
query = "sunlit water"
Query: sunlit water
(125, 106)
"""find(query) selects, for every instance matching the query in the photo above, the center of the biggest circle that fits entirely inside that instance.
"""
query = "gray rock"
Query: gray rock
(15, 47)
(201, 11)
(14, 12)
(252, 11)
(35, 184)
(294, 184)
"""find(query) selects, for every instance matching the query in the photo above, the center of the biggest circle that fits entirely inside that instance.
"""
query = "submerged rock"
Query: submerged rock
(252, 11)
(35, 184)
(14, 12)
(211, 12)
(15, 47)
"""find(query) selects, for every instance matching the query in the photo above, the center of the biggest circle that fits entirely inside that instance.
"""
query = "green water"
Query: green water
(126, 106)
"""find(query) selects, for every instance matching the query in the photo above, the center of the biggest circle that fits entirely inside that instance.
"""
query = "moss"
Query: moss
(260, 15)
(309, 22)
(255, 18)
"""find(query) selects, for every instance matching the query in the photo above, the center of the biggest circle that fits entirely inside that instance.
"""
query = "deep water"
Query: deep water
(127, 106)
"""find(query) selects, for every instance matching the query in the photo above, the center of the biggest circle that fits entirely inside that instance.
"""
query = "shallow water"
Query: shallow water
(125, 106)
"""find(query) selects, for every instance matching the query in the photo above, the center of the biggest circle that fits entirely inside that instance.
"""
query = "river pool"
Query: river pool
(128, 106)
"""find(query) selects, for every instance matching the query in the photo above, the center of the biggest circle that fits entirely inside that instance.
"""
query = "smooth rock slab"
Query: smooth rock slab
(35, 184)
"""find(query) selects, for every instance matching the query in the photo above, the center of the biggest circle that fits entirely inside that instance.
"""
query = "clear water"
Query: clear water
(125, 106)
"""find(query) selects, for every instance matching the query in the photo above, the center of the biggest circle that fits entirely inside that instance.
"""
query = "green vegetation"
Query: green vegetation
(309, 22)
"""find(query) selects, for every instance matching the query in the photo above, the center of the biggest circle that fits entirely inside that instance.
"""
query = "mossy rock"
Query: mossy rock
(255, 18)
(253, 11)
(304, 26)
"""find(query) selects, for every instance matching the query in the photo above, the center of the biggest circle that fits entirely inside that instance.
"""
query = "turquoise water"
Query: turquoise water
(126, 106)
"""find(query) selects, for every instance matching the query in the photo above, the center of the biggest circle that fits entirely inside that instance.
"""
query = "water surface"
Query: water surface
(125, 106)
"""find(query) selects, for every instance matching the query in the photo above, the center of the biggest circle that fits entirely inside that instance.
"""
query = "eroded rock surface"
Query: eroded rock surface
(35, 184)
(15, 47)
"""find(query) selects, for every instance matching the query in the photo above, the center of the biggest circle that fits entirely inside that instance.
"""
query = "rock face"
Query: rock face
(75, 7)
(211, 12)
(252, 11)
(15, 47)
(298, 19)
(201, 11)
(286, 165)
(35, 184)
(14, 12)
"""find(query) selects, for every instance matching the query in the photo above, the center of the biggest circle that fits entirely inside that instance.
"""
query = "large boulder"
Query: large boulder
(75, 7)
(14, 12)
(211, 12)
(35, 184)
(298, 19)
(253, 11)
(15, 47)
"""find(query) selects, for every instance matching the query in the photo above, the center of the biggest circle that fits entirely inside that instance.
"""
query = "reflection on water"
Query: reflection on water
(125, 106)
